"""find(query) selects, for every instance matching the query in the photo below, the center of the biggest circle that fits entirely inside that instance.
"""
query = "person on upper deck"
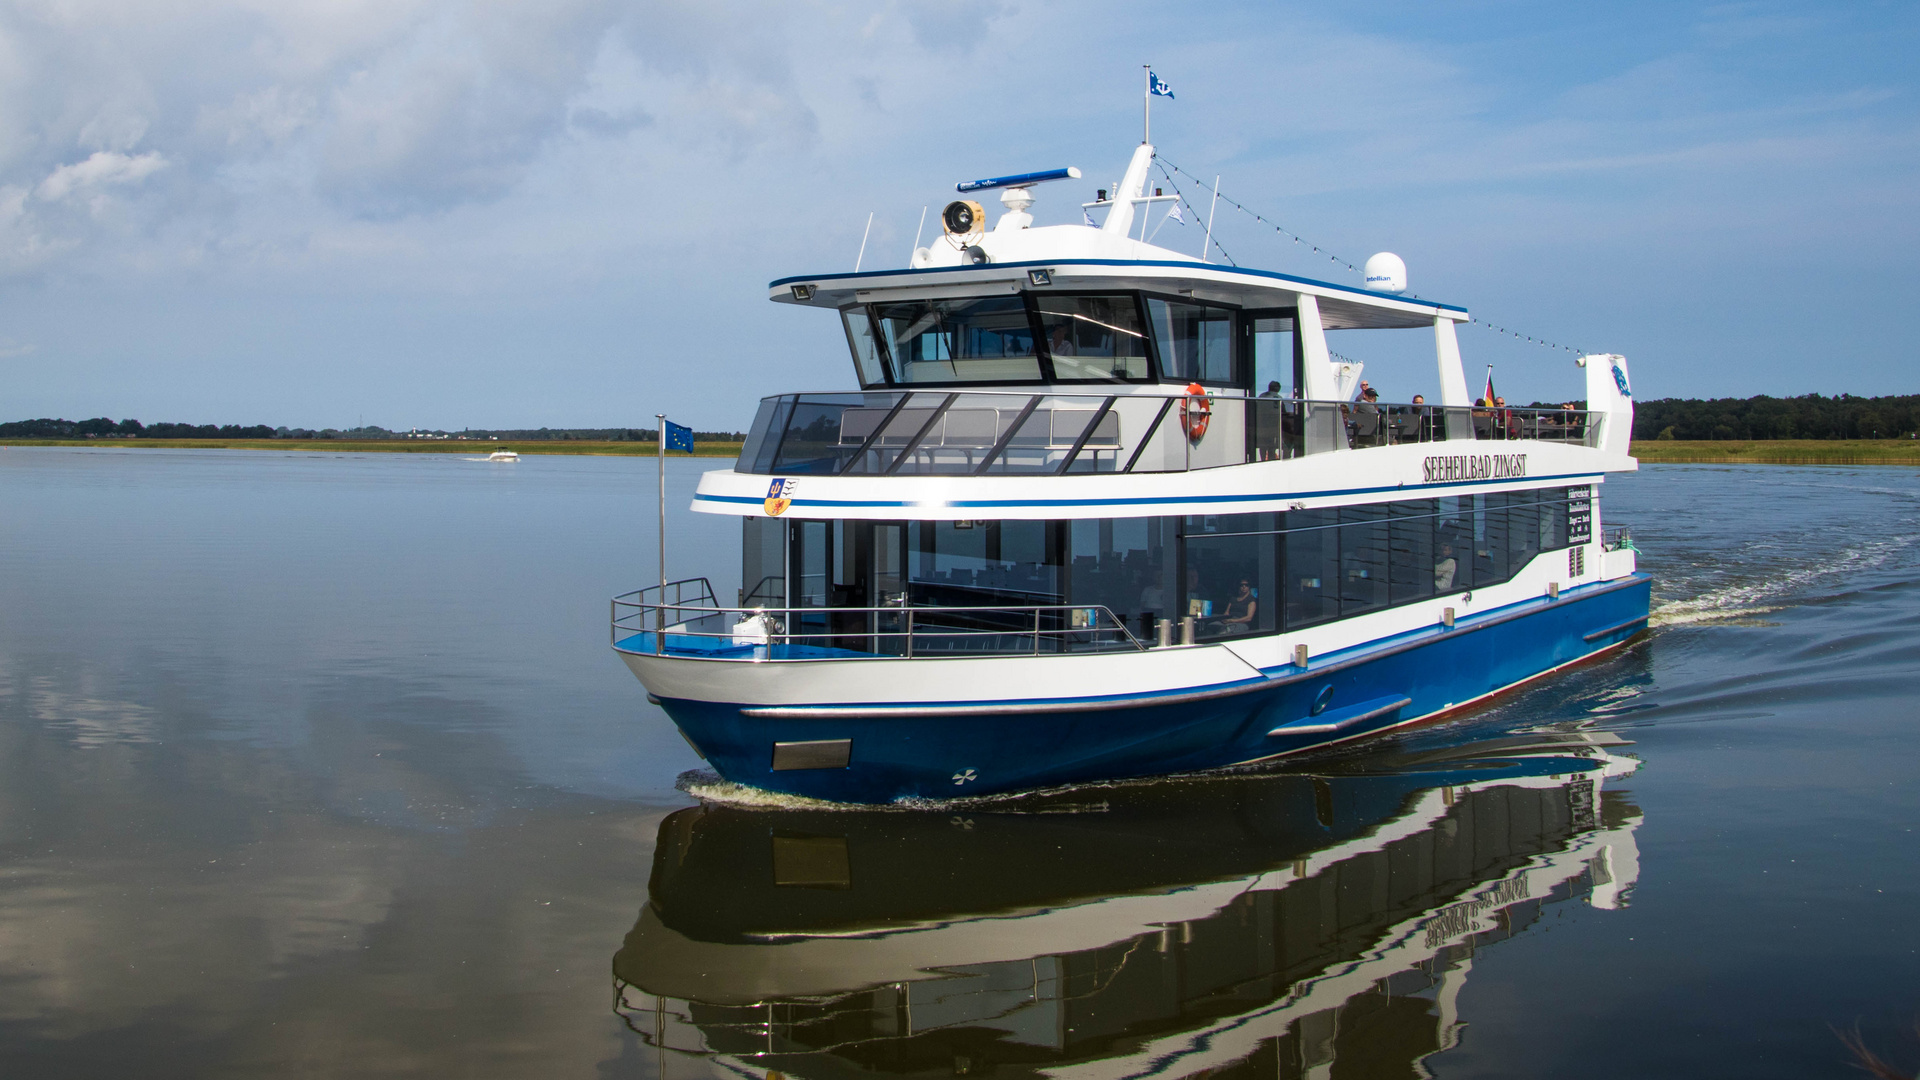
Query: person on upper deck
(1367, 428)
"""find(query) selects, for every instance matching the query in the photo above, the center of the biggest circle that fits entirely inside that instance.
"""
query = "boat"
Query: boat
(1059, 533)
(503, 455)
(1277, 923)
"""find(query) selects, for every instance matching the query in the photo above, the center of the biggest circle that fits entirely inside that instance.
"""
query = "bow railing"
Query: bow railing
(681, 619)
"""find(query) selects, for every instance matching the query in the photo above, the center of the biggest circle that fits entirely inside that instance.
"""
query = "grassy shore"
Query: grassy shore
(1651, 451)
(1780, 452)
(390, 446)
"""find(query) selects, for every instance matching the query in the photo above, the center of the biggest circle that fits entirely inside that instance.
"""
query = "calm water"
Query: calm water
(320, 765)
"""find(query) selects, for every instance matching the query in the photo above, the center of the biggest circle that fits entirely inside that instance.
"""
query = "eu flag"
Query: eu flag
(679, 438)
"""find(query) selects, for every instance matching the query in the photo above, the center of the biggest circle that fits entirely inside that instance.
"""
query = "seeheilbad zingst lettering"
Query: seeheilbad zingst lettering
(1440, 470)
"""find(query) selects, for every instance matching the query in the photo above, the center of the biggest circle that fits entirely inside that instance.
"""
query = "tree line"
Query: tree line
(1814, 416)
(104, 428)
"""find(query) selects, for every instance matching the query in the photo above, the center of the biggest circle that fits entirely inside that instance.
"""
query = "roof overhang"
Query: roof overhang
(1342, 307)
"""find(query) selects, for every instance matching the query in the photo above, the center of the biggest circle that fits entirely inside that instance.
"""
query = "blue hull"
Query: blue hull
(1339, 696)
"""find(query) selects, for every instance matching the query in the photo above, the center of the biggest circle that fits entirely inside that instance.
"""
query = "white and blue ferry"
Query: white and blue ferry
(1070, 529)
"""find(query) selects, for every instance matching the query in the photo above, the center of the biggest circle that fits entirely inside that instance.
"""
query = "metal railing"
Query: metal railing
(994, 433)
(643, 622)
(1616, 537)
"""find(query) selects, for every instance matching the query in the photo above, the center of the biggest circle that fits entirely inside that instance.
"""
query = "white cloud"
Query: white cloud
(104, 168)
(12, 351)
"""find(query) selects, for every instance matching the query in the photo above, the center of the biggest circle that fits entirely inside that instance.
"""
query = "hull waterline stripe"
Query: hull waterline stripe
(1298, 728)
(1460, 706)
(1165, 500)
(1283, 675)
(1615, 628)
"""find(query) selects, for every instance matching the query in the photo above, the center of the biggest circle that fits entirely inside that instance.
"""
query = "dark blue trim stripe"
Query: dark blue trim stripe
(1168, 500)
(869, 275)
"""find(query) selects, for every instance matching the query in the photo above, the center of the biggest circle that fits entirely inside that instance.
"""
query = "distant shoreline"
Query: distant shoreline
(1649, 451)
(473, 447)
(1778, 452)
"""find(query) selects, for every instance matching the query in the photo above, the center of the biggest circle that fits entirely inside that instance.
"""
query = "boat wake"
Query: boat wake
(1752, 598)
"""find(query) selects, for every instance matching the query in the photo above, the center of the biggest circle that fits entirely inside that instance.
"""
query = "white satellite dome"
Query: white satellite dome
(1386, 272)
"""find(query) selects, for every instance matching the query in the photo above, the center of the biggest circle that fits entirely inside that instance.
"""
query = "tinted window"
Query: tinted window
(1363, 558)
(1094, 337)
(947, 341)
(1230, 585)
(1312, 566)
(1196, 342)
(866, 353)
(1415, 567)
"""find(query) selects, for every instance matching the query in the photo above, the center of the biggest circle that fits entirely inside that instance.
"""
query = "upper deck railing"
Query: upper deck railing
(1009, 433)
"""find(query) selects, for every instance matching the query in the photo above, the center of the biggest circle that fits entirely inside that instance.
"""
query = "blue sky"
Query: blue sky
(414, 212)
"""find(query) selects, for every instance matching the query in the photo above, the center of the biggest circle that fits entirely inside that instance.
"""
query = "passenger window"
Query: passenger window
(949, 341)
(1196, 342)
(866, 353)
(1312, 566)
(1098, 338)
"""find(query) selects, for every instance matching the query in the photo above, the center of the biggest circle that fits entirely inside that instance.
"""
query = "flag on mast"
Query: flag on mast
(678, 438)
(1175, 215)
(1490, 394)
(1158, 86)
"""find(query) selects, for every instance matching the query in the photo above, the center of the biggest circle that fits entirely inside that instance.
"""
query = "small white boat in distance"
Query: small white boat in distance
(503, 455)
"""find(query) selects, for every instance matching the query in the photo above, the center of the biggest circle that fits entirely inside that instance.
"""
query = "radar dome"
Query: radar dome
(1386, 273)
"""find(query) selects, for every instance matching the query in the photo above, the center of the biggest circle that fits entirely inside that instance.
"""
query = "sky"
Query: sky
(565, 213)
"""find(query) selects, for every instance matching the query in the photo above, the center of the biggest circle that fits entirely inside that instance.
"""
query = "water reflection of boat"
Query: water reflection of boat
(1276, 922)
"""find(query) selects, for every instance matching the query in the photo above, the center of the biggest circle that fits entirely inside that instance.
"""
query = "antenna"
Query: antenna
(917, 230)
(857, 259)
(1206, 245)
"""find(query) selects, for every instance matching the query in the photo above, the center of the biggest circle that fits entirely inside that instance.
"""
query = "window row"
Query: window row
(1044, 337)
(1234, 574)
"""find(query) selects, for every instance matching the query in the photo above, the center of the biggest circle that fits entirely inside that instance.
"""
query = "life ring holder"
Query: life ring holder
(1196, 412)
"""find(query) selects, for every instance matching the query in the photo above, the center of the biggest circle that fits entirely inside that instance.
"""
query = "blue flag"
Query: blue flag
(679, 438)
(1156, 85)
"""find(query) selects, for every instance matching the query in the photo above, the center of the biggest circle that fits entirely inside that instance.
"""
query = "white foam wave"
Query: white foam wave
(709, 787)
(1772, 594)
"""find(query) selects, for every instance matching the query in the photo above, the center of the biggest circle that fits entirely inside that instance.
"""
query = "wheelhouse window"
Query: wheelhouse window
(986, 340)
(1196, 342)
(1094, 338)
(866, 352)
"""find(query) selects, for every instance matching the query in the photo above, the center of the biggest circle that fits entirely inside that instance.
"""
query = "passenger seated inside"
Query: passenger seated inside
(1238, 617)
(1444, 569)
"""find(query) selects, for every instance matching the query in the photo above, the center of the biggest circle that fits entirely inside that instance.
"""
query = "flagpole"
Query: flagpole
(660, 624)
(1146, 107)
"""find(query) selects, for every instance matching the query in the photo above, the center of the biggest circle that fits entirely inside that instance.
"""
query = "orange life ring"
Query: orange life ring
(1196, 411)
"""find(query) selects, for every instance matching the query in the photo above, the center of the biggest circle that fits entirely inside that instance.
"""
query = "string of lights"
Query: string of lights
(1338, 261)
(1184, 201)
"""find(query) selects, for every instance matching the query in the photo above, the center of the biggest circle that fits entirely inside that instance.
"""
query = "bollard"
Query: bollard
(1553, 590)
(1164, 632)
(1186, 630)
(1299, 656)
(1446, 618)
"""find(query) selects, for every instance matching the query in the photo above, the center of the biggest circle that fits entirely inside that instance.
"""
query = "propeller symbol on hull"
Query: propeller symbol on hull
(965, 775)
